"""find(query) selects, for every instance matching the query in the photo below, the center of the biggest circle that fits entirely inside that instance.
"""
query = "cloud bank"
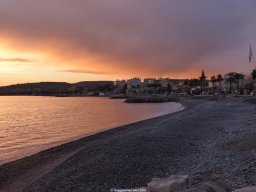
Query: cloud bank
(144, 37)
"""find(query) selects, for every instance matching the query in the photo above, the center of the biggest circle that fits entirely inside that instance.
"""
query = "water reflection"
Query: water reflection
(31, 124)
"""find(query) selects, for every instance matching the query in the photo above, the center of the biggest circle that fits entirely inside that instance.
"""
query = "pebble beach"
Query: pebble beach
(211, 140)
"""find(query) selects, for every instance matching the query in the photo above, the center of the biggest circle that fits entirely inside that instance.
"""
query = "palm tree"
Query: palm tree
(213, 80)
(230, 78)
(219, 79)
(202, 79)
(238, 77)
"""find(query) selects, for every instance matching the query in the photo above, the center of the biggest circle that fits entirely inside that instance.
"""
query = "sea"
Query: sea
(30, 124)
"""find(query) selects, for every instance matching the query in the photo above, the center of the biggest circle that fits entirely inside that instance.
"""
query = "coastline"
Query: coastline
(139, 112)
(63, 151)
(90, 116)
(160, 146)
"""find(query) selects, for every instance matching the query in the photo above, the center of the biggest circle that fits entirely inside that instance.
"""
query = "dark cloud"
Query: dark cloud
(156, 37)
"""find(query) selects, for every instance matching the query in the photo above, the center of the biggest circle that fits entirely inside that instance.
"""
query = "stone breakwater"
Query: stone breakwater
(145, 99)
(211, 141)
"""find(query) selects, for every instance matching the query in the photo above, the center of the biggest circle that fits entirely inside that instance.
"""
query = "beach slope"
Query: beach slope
(211, 140)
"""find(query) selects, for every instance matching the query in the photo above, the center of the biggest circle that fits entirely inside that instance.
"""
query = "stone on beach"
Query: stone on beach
(246, 189)
(212, 187)
(207, 187)
(171, 184)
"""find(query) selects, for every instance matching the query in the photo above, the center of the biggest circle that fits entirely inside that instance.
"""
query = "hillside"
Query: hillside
(52, 88)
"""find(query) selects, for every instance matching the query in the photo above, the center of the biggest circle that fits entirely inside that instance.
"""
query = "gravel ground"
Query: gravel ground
(211, 140)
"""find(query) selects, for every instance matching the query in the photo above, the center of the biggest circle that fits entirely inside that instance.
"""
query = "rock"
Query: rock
(171, 184)
(207, 187)
(246, 189)
(151, 99)
(212, 187)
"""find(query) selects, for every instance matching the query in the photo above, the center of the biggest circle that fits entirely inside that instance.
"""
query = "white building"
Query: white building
(134, 82)
(149, 81)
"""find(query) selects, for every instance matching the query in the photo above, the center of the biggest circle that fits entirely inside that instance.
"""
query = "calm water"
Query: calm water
(32, 124)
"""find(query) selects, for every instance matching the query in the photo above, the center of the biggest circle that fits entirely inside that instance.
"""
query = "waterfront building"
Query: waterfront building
(120, 83)
(120, 86)
(134, 82)
(164, 82)
(149, 81)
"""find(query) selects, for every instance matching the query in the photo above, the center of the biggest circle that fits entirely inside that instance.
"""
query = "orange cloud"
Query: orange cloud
(116, 39)
(82, 71)
(19, 60)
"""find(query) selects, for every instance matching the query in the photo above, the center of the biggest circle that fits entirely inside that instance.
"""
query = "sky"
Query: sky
(71, 41)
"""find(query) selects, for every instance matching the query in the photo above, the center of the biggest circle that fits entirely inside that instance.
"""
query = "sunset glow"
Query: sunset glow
(94, 40)
(127, 95)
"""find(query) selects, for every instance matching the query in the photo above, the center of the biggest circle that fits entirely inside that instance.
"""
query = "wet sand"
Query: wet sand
(211, 140)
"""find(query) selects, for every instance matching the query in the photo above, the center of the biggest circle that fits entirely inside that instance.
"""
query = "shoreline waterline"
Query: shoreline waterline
(32, 167)
(103, 131)
(60, 153)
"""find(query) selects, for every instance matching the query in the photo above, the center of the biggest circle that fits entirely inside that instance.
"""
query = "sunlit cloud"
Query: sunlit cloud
(82, 71)
(19, 60)
(97, 39)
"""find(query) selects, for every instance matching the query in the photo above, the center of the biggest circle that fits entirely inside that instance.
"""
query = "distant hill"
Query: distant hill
(42, 88)
(53, 88)
(93, 84)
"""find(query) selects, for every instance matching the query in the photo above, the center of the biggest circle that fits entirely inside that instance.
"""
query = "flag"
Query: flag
(250, 54)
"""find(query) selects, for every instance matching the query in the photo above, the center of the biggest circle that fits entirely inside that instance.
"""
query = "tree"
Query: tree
(186, 82)
(238, 77)
(253, 74)
(219, 79)
(230, 79)
(169, 88)
(213, 80)
(194, 82)
(203, 82)
(125, 87)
